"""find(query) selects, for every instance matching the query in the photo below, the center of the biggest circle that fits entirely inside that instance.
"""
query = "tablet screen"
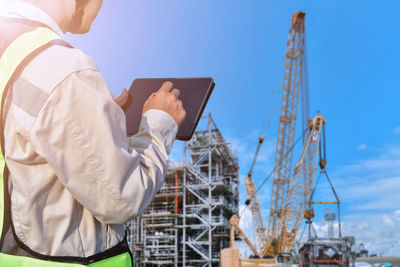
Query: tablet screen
(194, 95)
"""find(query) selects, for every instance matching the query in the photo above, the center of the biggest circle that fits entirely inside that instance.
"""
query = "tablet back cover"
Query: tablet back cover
(194, 95)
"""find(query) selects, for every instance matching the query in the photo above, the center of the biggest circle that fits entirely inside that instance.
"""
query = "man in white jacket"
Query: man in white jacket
(75, 177)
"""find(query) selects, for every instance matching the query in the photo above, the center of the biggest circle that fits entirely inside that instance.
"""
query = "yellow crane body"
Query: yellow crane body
(291, 187)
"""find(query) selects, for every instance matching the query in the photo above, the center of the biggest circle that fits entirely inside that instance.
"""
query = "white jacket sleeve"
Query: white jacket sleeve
(81, 133)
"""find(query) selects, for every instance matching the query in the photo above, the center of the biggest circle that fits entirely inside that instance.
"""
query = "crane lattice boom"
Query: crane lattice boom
(290, 189)
(298, 193)
(256, 211)
(287, 119)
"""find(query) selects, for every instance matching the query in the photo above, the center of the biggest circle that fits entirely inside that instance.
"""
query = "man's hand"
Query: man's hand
(167, 99)
(124, 100)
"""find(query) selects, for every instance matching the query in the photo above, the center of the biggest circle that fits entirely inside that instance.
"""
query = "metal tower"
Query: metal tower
(210, 196)
(187, 222)
(330, 217)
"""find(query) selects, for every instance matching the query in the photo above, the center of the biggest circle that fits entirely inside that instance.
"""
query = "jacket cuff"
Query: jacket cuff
(162, 125)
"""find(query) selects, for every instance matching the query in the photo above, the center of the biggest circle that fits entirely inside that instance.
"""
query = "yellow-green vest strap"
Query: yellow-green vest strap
(11, 59)
(123, 260)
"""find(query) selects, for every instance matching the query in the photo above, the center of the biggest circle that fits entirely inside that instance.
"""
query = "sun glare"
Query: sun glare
(3, 5)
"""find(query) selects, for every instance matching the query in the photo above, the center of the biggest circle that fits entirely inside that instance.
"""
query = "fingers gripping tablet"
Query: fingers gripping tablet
(193, 92)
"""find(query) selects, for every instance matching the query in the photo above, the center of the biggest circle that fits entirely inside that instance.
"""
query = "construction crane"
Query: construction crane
(287, 128)
(282, 173)
(281, 240)
(290, 187)
(230, 256)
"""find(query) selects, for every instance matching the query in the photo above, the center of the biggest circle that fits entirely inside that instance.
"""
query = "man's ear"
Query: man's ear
(80, 5)
(77, 17)
(76, 22)
(85, 12)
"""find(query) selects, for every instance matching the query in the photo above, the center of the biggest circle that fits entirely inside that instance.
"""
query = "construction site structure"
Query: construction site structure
(331, 250)
(330, 217)
(187, 224)
(362, 251)
(287, 123)
(325, 251)
(294, 208)
(291, 198)
(230, 256)
(290, 186)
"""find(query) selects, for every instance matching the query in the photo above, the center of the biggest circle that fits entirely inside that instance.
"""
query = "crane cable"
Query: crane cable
(270, 110)
(248, 201)
(267, 110)
(305, 95)
(305, 115)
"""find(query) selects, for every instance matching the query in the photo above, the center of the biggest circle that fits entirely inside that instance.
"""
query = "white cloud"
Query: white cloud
(247, 226)
(322, 228)
(379, 233)
(362, 147)
(396, 216)
(387, 221)
(371, 184)
(369, 192)
(245, 148)
(246, 220)
(374, 195)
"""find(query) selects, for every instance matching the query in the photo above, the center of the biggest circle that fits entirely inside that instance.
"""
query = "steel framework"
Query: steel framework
(187, 224)
(299, 190)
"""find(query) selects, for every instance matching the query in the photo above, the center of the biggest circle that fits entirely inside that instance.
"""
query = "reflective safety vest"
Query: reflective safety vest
(20, 41)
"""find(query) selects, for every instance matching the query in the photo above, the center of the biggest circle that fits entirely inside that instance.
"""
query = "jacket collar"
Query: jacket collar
(21, 9)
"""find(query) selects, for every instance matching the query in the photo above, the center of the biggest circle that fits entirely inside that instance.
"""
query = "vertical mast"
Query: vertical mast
(288, 119)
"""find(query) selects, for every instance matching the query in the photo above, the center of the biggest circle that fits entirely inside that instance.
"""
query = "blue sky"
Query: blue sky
(353, 59)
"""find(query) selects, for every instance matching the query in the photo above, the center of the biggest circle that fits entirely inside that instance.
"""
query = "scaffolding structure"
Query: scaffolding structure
(187, 224)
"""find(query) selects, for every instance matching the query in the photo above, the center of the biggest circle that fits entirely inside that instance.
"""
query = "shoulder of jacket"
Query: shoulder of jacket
(55, 64)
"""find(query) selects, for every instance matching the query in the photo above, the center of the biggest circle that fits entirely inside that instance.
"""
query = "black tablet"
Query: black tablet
(195, 93)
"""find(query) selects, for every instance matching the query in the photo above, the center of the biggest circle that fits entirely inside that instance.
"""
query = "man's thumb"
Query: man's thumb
(122, 98)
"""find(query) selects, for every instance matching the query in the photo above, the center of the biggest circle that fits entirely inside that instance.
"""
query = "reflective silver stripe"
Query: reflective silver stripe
(28, 97)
